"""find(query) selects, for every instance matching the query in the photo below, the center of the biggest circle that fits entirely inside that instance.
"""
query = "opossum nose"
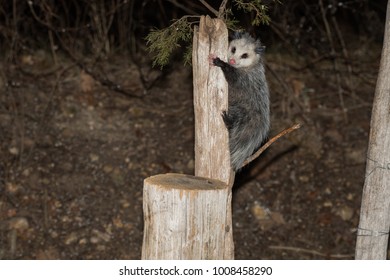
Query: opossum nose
(232, 61)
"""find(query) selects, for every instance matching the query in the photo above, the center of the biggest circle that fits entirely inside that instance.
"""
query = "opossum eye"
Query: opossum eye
(245, 55)
(233, 50)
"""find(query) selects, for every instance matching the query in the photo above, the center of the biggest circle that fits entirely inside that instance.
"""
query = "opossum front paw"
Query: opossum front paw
(227, 120)
(212, 58)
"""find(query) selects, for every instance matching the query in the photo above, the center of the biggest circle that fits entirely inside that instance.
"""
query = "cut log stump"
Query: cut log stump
(186, 218)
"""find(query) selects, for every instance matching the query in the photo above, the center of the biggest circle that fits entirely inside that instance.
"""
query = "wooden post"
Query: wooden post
(212, 159)
(186, 218)
(373, 231)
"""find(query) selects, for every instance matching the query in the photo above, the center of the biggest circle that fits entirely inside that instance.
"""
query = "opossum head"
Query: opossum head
(244, 51)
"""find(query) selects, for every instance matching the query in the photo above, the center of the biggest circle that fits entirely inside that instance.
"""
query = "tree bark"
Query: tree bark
(373, 231)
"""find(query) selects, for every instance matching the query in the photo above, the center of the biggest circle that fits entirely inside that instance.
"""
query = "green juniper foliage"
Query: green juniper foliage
(257, 7)
(162, 42)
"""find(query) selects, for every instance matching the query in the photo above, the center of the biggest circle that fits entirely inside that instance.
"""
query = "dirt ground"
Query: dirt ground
(74, 153)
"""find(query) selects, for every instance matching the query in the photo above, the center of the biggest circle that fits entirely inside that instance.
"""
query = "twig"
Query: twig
(211, 9)
(45, 209)
(103, 80)
(278, 30)
(313, 62)
(333, 53)
(183, 7)
(290, 94)
(269, 143)
(222, 9)
(98, 77)
(345, 54)
(12, 240)
(313, 252)
(52, 47)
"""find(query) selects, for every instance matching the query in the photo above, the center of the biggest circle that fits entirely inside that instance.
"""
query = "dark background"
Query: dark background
(84, 118)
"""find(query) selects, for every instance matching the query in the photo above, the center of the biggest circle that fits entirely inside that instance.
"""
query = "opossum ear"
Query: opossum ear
(236, 35)
(260, 49)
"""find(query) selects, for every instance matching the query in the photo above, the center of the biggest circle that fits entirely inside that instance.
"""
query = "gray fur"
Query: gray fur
(248, 114)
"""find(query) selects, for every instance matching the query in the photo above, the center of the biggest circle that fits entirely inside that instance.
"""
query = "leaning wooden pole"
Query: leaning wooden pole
(373, 230)
(189, 217)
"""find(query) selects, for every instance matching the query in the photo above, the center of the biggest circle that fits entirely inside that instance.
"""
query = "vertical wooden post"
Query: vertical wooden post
(373, 231)
(212, 159)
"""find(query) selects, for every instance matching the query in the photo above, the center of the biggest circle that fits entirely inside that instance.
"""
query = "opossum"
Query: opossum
(248, 115)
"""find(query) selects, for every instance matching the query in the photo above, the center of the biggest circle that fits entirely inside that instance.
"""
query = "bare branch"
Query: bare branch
(222, 9)
(269, 143)
(211, 9)
(333, 53)
(183, 7)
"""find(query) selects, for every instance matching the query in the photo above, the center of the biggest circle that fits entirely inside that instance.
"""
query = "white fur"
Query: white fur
(242, 47)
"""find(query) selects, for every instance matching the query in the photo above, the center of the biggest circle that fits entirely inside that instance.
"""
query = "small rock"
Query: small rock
(117, 222)
(94, 240)
(108, 169)
(54, 234)
(18, 223)
(99, 236)
(304, 179)
(260, 212)
(83, 241)
(12, 188)
(94, 157)
(48, 254)
(71, 238)
(13, 151)
(345, 213)
(328, 204)
(191, 164)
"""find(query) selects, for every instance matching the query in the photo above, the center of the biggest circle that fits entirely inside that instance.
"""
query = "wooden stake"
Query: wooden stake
(212, 158)
(373, 230)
